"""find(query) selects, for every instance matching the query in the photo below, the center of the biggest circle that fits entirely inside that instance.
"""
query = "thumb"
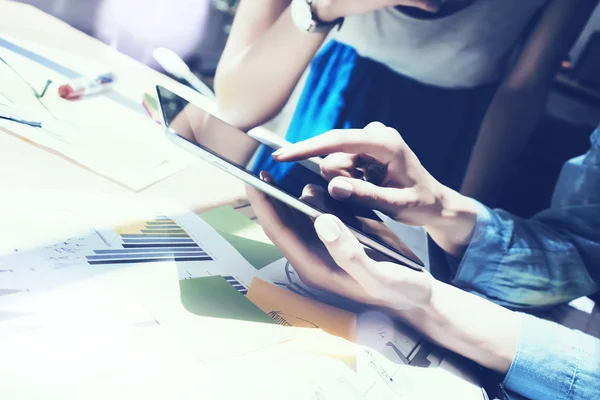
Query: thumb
(346, 251)
(388, 200)
(381, 281)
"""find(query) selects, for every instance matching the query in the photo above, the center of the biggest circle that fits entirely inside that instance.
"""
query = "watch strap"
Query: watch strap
(318, 24)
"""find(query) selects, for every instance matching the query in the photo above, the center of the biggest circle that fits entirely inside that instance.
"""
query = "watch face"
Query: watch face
(302, 15)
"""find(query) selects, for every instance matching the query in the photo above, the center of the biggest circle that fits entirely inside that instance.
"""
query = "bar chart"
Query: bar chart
(159, 240)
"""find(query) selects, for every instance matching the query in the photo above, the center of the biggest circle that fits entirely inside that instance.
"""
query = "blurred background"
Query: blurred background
(197, 31)
(194, 29)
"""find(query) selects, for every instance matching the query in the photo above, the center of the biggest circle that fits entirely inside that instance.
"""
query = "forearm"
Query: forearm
(541, 359)
(469, 325)
(453, 229)
(253, 85)
(507, 126)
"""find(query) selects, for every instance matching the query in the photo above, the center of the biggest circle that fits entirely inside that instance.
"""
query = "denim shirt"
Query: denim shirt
(549, 259)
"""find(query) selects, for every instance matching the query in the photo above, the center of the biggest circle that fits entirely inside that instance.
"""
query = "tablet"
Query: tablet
(197, 131)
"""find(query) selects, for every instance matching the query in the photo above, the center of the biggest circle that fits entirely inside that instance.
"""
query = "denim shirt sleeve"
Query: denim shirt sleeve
(549, 259)
(553, 362)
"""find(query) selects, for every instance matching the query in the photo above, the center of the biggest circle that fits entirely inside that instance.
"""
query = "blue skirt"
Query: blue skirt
(345, 90)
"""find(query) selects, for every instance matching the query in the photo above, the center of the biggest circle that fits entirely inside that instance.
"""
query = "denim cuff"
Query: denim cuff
(595, 138)
(546, 362)
(480, 263)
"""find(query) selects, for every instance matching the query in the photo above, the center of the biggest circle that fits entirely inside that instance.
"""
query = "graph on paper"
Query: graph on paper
(159, 240)
(237, 285)
(59, 247)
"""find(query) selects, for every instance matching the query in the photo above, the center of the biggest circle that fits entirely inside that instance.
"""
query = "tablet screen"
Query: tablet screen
(238, 148)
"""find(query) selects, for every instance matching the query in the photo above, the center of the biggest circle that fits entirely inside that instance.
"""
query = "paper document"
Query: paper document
(164, 259)
(391, 359)
(108, 133)
(290, 377)
(290, 309)
(70, 236)
(148, 268)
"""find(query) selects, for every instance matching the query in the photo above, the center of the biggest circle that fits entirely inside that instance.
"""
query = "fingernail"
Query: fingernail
(278, 153)
(327, 228)
(340, 189)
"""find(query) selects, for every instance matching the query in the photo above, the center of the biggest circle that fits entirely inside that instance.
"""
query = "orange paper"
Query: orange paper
(291, 309)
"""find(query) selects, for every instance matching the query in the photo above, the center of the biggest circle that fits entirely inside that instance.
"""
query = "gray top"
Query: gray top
(464, 49)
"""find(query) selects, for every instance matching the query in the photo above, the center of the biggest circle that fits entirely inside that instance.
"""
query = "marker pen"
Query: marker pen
(85, 86)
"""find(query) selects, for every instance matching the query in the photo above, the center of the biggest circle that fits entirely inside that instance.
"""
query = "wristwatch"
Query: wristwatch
(305, 17)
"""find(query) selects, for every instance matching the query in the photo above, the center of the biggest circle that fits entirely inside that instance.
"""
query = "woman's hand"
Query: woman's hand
(329, 10)
(335, 261)
(375, 168)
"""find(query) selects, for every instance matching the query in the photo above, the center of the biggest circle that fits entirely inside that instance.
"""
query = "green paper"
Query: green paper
(151, 101)
(212, 296)
(228, 222)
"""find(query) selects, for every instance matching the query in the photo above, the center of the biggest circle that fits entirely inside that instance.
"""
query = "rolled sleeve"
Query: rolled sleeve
(535, 263)
(554, 362)
(485, 252)
(545, 260)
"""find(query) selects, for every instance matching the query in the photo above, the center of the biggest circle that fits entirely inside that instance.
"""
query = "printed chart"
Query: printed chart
(159, 240)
